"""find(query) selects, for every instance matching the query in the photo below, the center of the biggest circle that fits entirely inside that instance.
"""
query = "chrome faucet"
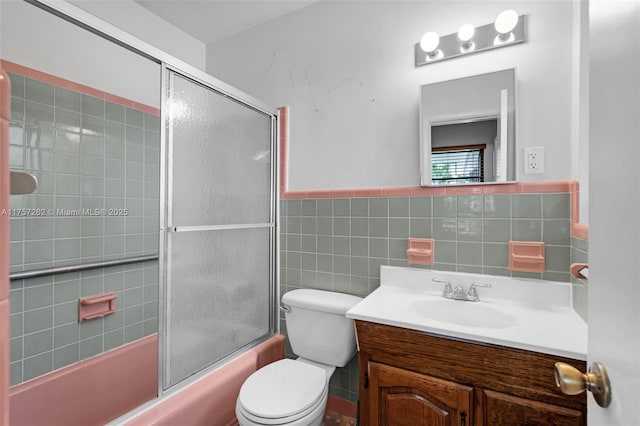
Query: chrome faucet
(472, 294)
(458, 293)
(448, 290)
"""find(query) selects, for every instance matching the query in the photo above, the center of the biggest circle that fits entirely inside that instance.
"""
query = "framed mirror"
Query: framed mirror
(468, 130)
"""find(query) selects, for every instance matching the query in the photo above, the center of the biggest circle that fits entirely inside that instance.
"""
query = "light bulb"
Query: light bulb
(506, 22)
(465, 34)
(429, 42)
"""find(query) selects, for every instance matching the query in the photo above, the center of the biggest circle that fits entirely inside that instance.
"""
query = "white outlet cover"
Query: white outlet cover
(534, 160)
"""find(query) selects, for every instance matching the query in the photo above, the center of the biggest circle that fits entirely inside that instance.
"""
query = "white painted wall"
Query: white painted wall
(346, 69)
(37, 39)
(129, 16)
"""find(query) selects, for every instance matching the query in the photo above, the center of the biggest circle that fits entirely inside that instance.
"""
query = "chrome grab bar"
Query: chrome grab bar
(23, 275)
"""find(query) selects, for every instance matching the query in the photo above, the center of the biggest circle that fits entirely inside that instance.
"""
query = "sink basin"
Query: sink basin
(468, 314)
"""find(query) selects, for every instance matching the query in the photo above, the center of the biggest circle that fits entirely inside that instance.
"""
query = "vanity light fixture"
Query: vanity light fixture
(509, 28)
(429, 43)
(505, 23)
(465, 35)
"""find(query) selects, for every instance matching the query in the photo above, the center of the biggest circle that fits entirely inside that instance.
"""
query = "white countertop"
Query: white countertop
(535, 315)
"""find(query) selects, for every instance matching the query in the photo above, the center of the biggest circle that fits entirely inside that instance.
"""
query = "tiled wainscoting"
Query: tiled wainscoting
(87, 153)
(339, 243)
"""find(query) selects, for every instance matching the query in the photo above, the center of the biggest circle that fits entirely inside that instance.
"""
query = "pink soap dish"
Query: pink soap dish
(526, 256)
(420, 251)
(97, 306)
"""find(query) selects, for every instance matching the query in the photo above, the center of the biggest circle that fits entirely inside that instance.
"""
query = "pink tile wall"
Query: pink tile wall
(4, 246)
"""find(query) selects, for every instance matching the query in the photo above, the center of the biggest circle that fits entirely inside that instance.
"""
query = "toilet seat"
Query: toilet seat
(283, 392)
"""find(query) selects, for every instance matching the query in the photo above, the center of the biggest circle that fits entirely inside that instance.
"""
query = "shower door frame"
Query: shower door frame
(95, 25)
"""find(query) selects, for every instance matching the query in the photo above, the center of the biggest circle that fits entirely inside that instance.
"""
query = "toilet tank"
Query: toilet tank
(317, 327)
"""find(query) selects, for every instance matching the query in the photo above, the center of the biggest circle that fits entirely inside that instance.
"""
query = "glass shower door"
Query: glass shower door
(219, 227)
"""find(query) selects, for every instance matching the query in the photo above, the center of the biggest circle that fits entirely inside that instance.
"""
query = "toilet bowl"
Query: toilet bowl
(294, 392)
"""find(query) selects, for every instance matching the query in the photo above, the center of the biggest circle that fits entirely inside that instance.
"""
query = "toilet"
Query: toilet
(294, 392)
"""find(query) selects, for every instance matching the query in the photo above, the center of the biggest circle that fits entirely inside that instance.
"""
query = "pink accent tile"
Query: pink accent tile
(575, 206)
(90, 91)
(4, 361)
(342, 406)
(420, 251)
(283, 130)
(343, 193)
(412, 191)
(545, 187)
(506, 188)
(526, 256)
(428, 191)
(5, 95)
(463, 190)
(90, 392)
(14, 68)
(323, 193)
(401, 191)
(98, 306)
(368, 192)
(212, 399)
(293, 195)
(50, 79)
(574, 185)
(576, 268)
(71, 85)
(580, 231)
(118, 100)
(144, 108)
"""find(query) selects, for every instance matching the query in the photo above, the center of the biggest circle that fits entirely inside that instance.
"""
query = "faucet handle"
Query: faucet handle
(448, 290)
(472, 293)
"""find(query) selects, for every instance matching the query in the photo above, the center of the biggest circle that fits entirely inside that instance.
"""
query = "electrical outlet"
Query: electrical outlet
(534, 160)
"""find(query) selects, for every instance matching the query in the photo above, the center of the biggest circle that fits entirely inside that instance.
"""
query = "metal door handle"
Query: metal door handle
(572, 382)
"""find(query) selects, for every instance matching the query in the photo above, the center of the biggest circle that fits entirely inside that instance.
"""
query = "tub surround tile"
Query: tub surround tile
(85, 143)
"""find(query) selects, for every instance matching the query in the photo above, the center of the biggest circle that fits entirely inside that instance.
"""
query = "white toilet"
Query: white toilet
(294, 392)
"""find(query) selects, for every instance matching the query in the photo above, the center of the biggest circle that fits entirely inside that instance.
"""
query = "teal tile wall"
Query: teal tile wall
(339, 244)
(580, 254)
(86, 153)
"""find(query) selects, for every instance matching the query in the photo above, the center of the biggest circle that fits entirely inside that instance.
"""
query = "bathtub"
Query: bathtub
(99, 390)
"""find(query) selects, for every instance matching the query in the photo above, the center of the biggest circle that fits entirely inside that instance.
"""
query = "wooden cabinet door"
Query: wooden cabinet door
(399, 397)
(501, 409)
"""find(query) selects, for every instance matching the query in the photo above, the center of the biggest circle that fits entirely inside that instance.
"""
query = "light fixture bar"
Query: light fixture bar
(485, 38)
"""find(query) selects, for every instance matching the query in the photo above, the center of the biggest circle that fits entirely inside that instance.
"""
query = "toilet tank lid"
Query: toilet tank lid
(320, 300)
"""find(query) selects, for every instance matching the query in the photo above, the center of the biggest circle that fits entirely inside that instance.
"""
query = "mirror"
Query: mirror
(468, 130)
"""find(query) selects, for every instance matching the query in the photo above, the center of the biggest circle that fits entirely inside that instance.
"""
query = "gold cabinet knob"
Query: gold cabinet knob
(572, 382)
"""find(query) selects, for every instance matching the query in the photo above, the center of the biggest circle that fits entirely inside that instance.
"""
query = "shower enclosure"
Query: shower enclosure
(183, 171)
(218, 234)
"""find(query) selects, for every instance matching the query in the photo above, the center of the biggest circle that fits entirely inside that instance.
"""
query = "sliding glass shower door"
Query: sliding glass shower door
(218, 230)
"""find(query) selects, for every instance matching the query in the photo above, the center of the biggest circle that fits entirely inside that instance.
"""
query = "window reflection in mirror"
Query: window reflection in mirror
(468, 130)
(464, 152)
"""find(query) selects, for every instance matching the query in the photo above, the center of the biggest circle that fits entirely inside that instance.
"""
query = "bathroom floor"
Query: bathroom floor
(334, 419)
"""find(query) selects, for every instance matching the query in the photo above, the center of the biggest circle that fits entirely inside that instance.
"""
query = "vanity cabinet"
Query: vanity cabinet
(414, 378)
